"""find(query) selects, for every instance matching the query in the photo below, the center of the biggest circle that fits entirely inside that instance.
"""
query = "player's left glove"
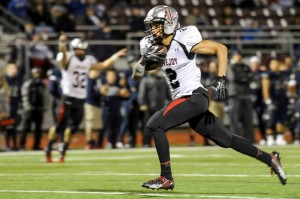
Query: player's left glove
(156, 54)
(220, 84)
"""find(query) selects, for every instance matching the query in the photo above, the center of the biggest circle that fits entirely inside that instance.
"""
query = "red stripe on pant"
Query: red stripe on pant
(173, 104)
(61, 112)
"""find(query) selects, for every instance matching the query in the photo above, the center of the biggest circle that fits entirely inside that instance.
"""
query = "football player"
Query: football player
(75, 69)
(190, 98)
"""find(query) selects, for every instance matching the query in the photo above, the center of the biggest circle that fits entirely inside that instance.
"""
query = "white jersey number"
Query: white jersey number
(172, 75)
(79, 79)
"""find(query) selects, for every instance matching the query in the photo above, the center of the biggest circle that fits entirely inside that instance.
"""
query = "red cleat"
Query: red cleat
(159, 183)
(48, 157)
(62, 159)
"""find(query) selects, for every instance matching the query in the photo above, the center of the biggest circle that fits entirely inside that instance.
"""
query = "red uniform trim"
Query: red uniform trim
(61, 113)
(173, 104)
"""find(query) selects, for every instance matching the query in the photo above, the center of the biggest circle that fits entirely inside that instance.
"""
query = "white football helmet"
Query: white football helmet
(74, 43)
(83, 45)
(165, 15)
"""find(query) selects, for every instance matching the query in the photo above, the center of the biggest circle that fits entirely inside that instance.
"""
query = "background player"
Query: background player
(75, 70)
(190, 98)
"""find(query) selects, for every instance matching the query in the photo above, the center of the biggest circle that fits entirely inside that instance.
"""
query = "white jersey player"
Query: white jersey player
(75, 68)
(190, 104)
(180, 67)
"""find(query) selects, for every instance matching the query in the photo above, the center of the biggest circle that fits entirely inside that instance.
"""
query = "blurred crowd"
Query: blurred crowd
(263, 97)
(263, 90)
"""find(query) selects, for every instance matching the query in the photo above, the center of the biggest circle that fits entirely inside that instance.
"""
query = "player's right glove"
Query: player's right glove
(156, 54)
(220, 84)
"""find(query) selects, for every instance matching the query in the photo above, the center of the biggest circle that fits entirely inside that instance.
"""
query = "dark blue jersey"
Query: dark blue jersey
(54, 83)
(113, 101)
(278, 85)
(93, 94)
(132, 85)
(298, 83)
(256, 87)
(14, 88)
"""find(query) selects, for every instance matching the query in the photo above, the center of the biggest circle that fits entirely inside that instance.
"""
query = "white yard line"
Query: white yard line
(137, 194)
(75, 164)
(139, 174)
(146, 150)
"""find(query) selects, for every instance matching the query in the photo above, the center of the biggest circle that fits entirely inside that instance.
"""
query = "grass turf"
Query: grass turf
(199, 172)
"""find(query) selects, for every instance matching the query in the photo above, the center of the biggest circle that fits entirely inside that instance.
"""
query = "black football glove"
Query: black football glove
(220, 84)
(155, 55)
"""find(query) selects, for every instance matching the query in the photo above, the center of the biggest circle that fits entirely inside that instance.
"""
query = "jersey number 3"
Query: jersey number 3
(79, 79)
(172, 75)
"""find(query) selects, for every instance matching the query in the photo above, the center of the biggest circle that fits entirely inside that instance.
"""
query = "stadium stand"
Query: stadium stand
(265, 28)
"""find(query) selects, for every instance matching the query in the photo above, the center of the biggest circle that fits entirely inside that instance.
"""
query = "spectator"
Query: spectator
(4, 101)
(153, 95)
(256, 94)
(276, 102)
(34, 102)
(93, 109)
(132, 115)
(62, 22)
(29, 30)
(40, 16)
(102, 52)
(293, 110)
(241, 108)
(113, 95)
(99, 9)
(13, 79)
(55, 76)
(76, 8)
(90, 18)
(19, 8)
(216, 107)
(17, 56)
(136, 21)
(40, 54)
(196, 17)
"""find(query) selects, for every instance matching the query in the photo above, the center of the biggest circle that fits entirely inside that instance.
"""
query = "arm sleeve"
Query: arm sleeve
(142, 92)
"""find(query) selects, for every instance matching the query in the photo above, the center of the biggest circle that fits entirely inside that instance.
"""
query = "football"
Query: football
(155, 57)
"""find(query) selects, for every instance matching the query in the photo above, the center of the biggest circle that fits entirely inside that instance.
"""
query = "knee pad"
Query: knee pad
(67, 135)
(52, 135)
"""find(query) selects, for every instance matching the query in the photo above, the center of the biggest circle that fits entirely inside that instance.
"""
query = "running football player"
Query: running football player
(190, 98)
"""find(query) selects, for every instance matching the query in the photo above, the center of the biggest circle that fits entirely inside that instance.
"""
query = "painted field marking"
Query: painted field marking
(139, 174)
(137, 194)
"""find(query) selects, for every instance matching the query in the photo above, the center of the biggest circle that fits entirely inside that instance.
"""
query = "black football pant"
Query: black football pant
(194, 110)
(70, 115)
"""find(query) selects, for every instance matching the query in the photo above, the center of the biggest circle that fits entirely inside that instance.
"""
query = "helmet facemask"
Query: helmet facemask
(164, 16)
(155, 29)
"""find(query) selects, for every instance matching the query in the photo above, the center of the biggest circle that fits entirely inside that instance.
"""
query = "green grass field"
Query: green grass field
(199, 172)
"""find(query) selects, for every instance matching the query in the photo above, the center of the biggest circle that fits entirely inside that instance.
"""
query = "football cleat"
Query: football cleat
(48, 157)
(277, 168)
(159, 183)
(62, 159)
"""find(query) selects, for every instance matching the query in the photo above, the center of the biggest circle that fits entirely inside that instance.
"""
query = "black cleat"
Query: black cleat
(159, 183)
(277, 168)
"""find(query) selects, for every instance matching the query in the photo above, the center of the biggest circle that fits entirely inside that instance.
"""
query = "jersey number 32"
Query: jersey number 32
(79, 79)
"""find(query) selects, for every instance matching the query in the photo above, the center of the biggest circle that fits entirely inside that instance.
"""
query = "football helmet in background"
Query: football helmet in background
(74, 43)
